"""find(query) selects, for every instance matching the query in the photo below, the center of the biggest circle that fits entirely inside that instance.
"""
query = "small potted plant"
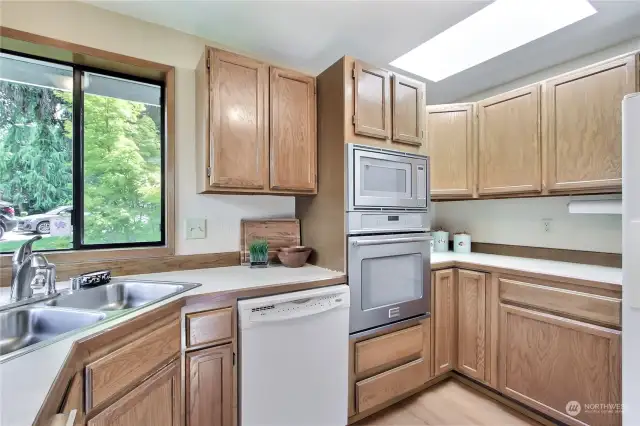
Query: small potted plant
(259, 254)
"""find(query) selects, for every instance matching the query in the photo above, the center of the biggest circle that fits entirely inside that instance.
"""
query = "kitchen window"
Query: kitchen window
(82, 157)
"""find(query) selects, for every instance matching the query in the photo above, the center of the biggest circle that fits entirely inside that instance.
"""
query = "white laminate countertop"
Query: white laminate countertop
(26, 379)
(578, 271)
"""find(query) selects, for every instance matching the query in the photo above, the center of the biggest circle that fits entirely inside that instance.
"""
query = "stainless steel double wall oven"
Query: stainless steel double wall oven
(388, 249)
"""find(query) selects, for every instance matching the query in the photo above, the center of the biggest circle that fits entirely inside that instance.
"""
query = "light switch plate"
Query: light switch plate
(196, 228)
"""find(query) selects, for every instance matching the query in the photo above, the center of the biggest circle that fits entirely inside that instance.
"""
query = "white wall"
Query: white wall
(520, 222)
(90, 26)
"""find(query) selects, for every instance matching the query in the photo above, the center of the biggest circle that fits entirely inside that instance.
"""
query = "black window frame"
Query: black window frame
(77, 162)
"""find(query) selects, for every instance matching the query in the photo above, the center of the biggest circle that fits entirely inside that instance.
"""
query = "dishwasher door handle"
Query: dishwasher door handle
(359, 243)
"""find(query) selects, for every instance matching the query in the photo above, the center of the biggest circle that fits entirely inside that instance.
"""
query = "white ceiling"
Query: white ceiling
(311, 35)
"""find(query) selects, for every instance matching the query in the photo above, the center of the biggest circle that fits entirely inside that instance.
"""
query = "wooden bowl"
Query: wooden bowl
(294, 259)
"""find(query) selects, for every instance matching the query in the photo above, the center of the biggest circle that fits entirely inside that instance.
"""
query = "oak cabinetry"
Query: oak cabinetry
(155, 402)
(293, 131)
(451, 144)
(209, 391)
(443, 319)
(509, 142)
(387, 106)
(209, 327)
(546, 361)
(372, 101)
(472, 324)
(408, 104)
(583, 123)
(255, 127)
(388, 366)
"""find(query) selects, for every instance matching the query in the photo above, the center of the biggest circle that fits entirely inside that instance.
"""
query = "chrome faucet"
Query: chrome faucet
(31, 271)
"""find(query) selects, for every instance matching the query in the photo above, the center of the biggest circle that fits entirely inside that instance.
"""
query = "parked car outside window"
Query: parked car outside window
(41, 223)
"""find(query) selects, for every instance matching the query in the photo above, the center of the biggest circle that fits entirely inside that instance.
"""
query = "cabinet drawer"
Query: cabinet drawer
(131, 363)
(386, 349)
(209, 326)
(601, 309)
(390, 384)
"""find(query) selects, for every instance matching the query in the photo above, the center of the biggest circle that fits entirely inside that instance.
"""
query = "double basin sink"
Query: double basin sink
(24, 327)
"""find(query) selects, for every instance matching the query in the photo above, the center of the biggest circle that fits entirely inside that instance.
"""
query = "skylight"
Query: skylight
(498, 28)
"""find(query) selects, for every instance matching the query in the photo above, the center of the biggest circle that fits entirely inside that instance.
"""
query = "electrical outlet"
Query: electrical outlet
(546, 223)
(195, 228)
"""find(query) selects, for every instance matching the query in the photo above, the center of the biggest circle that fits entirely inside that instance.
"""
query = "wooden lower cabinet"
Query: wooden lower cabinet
(209, 395)
(155, 402)
(472, 324)
(552, 363)
(443, 319)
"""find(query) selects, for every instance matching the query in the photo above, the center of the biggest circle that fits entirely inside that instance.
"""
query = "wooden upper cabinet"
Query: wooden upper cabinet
(155, 402)
(583, 123)
(472, 324)
(546, 361)
(239, 134)
(408, 104)
(209, 386)
(293, 131)
(444, 321)
(372, 101)
(450, 145)
(509, 142)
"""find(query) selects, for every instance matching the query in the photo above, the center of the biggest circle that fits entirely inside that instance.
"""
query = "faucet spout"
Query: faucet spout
(30, 271)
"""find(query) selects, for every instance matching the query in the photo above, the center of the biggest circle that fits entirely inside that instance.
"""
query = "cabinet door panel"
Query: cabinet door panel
(209, 386)
(155, 402)
(472, 323)
(547, 361)
(293, 131)
(509, 142)
(372, 101)
(583, 121)
(408, 105)
(450, 144)
(239, 133)
(444, 318)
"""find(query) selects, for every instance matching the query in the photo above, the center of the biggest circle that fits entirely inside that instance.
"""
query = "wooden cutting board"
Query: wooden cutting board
(277, 232)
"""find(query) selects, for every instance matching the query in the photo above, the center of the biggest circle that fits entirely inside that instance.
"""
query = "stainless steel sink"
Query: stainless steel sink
(27, 326)
(120, 295)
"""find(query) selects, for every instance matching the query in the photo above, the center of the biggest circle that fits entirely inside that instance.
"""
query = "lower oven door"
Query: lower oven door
(389, 278)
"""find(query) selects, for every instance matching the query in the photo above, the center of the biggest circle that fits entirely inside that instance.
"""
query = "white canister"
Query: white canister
(462, 243)
(440, 241)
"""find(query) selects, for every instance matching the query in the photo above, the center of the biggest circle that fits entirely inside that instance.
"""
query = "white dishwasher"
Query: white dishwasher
(294, 351)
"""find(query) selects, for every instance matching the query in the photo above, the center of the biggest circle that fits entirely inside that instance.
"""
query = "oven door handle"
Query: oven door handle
(389, 241)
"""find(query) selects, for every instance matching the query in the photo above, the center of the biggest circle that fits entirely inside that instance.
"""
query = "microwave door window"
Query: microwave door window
(380, 178)
(391, 280)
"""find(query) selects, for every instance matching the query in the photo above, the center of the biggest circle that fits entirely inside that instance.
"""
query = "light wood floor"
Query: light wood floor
(448, 403)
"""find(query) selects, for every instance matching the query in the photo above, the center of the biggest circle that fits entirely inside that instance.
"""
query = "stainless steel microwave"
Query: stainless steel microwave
(386, 179)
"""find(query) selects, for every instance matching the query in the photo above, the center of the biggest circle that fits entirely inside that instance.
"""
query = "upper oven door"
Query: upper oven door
(389, 278)
(384, 180)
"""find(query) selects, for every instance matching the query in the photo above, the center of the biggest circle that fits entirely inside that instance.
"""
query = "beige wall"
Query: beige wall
(87, 25)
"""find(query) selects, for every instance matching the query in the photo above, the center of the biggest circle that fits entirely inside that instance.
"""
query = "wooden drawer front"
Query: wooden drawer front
(129, 364)
(390, 384)
(601, 309)
(386, 349)
(209, 326)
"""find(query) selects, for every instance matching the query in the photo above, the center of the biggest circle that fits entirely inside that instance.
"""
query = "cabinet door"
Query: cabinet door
(509, 142)
(583, 121)
(372, 101)
(444, 319)
(408, 106)
(209, 386)
(548, 362)
(155, 402)
(472, 323)
(450, 145)
(293, 131)
(239, 132)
